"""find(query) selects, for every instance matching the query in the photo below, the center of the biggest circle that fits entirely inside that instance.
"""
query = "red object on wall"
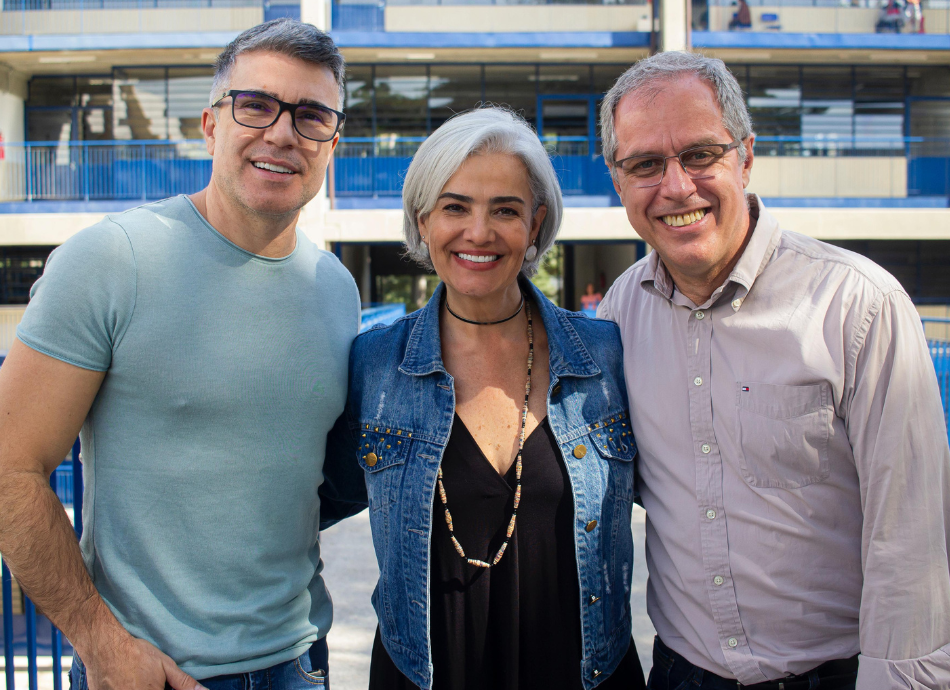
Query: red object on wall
(2, 152)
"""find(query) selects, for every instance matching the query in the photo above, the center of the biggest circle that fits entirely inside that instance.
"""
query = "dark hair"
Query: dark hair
(287, 37)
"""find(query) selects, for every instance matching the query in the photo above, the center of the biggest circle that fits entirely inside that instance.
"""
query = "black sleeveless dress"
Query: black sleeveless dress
(516, 625)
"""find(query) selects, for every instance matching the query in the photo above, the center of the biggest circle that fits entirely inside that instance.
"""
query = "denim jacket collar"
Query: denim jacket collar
(567, 353)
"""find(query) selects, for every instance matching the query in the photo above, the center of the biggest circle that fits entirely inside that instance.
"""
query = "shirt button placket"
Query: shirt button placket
(714, 540)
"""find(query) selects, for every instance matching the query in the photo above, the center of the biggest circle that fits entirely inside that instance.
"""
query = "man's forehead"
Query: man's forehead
(676, 113)
(258, 70)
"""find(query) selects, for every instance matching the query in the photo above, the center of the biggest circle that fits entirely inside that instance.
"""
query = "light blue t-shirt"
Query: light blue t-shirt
(204, 448)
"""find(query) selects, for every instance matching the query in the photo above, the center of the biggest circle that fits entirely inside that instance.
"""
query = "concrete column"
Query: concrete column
(673, 25)
(316, 12)
(12, 97)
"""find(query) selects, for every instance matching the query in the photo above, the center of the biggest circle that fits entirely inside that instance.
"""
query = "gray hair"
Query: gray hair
(486, 130)
(285, 36)
(665, 67)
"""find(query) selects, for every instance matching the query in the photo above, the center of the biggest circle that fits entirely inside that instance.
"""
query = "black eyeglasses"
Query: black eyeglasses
(699, 162)
(260, 111)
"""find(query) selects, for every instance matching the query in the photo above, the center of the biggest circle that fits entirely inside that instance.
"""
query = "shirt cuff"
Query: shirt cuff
(924, 673)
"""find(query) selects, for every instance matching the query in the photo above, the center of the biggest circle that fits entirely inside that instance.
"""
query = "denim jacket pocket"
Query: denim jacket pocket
(783, 433)
(381, 448)
(613, 439)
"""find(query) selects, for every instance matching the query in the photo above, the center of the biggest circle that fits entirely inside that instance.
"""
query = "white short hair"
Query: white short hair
(489, 129)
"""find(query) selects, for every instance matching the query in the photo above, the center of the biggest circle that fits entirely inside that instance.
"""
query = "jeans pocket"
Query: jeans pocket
(316, 680)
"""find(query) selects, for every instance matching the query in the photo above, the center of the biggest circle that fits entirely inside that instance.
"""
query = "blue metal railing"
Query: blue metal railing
(40, 5)
(940, 353)
(376, 167)
(66, 480)
(90, 170)
(375, 314)
(364, 17)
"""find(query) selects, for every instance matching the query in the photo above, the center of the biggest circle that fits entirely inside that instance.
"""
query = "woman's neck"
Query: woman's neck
(458, 311)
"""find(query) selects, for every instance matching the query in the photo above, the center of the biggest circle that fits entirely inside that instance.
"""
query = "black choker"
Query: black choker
(485, 323)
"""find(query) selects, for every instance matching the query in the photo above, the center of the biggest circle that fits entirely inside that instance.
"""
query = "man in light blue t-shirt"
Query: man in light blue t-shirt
(201, 343)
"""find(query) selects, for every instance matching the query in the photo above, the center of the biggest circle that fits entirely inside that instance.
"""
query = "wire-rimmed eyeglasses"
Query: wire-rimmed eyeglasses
(699, 162)
(259, 111)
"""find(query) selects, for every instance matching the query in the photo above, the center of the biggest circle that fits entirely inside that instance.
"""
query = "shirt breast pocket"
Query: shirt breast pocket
(783, 433)
(382, 453)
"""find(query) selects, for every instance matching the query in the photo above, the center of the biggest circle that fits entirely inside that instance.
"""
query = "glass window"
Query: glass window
(189, 92)
(139, 104)
(929, 81)
(96, 124)
(453, 89)
(774, 97)
(564, 79)
(741, 73)
(401, 98)
(49, 124)
(514, 86)
(826, 83)
(931, 119)
(52, 91)
(605, 76)
(359, 102)
(878, 107)
(94, 92)
(827, 108)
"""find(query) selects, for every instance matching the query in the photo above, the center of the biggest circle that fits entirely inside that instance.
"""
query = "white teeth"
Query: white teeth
(685, 219)
(272, 168)
(480, 258)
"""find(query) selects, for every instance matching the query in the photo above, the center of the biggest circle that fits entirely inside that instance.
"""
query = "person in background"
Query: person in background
(793, 459)
(590, 299)
(201, 345)
(489, 434)
(741, 18)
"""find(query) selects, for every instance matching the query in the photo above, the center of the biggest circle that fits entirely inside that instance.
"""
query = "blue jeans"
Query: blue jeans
(297, 674)
(672, 672)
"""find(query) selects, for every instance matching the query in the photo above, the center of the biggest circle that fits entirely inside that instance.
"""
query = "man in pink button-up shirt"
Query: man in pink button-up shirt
(793, 449)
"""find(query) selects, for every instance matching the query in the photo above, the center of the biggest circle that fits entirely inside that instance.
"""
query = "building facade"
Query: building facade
(100, 104)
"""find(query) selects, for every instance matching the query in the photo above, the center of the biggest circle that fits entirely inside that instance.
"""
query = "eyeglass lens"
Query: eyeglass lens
(699, 163)
(260, 111)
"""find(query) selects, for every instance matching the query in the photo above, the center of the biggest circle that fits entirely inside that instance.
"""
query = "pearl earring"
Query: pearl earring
(531, 253)
(425, 247)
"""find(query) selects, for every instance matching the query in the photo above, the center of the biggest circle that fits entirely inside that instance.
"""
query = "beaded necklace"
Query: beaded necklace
(514, 512)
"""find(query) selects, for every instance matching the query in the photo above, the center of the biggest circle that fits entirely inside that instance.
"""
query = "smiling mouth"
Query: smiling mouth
(272, 168)
(685, 219)
(478, 258)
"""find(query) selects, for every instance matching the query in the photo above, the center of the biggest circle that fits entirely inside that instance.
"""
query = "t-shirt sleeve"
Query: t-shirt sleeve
(81, 305)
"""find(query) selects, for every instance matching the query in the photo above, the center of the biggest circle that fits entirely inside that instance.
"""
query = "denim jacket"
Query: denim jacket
(395, 428)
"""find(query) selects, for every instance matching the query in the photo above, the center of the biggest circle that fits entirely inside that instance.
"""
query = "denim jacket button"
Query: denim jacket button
(371, 459)
(580, 451)
(593, 599)
(595, 673)
(591, 526)
(556, 389)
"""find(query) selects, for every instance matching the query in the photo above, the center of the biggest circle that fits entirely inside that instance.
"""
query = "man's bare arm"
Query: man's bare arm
(43, 403)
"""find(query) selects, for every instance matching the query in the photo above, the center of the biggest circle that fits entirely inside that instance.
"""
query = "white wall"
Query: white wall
(509, 18)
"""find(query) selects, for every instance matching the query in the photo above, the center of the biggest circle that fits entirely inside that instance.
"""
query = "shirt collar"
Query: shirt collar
(765, 238)
(567, 354)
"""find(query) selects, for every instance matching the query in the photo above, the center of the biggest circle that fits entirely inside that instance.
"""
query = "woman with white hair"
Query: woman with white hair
(490, 438)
